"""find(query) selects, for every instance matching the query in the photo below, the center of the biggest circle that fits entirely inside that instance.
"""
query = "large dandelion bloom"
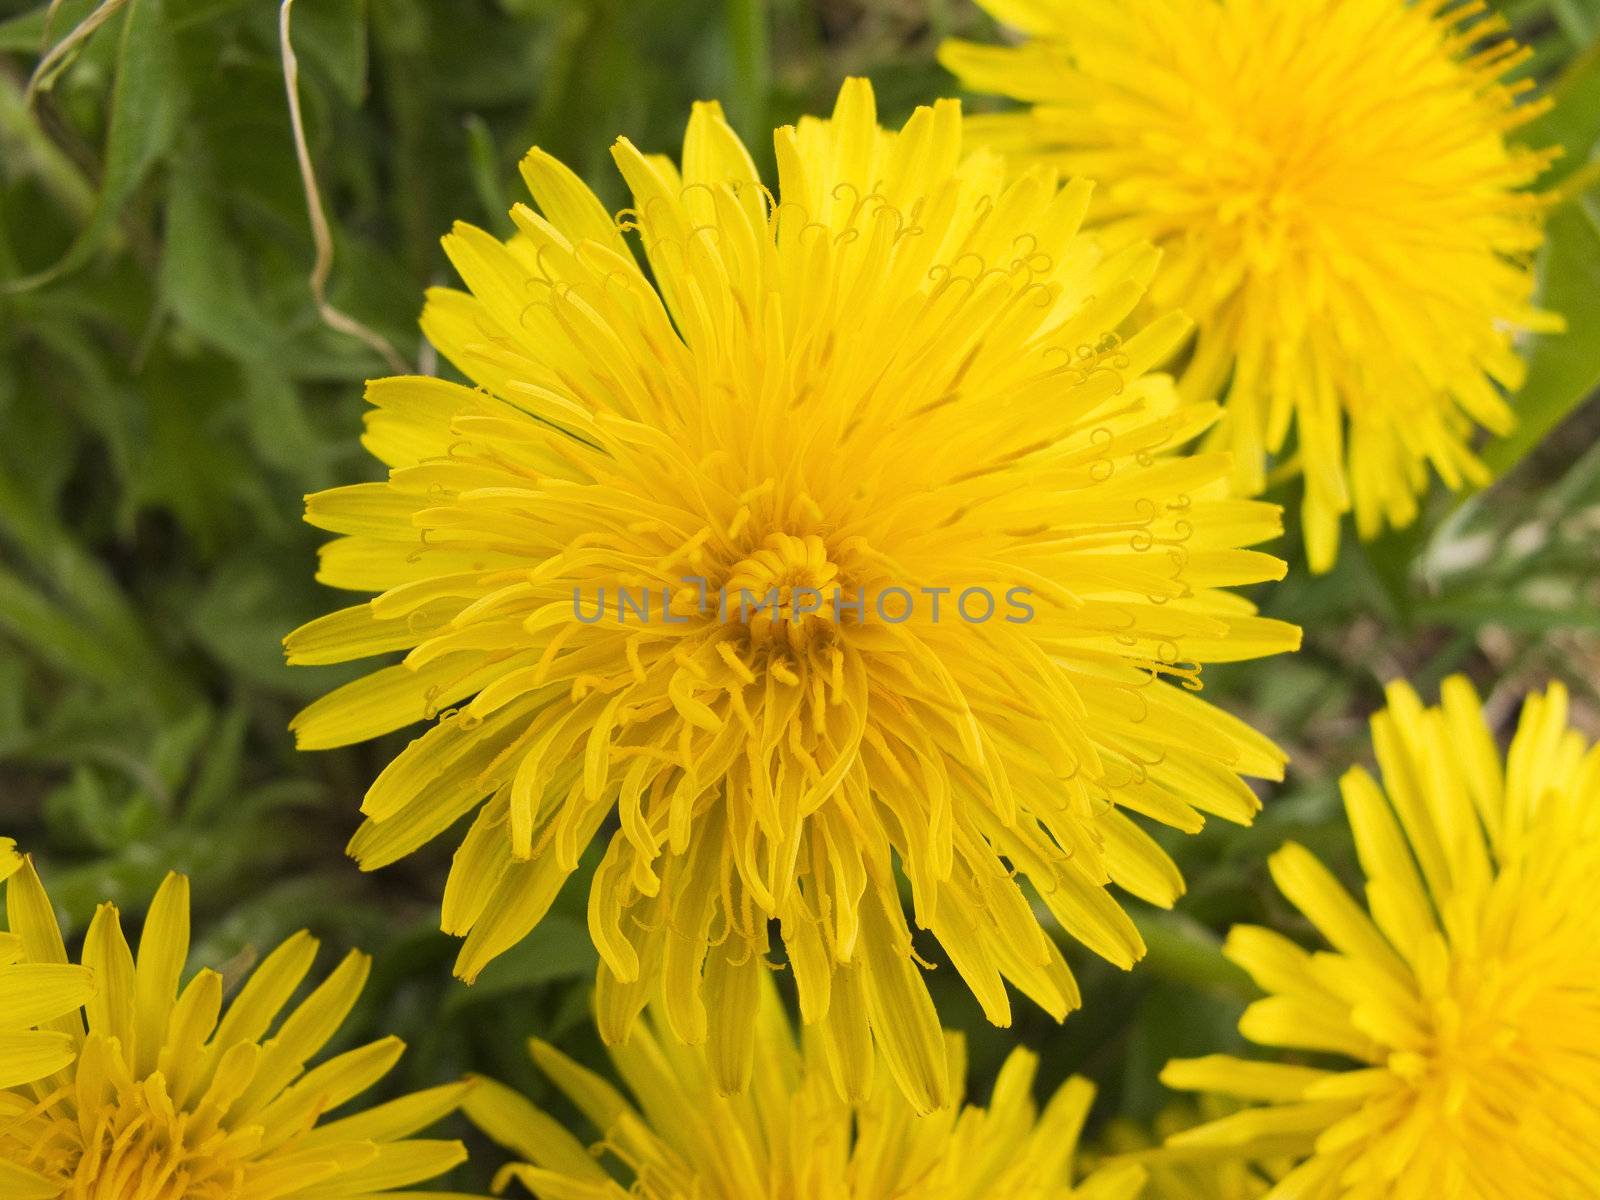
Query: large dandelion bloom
(1468, 994)
(33, 999)
(1339, 206)
(790, 1137)
(891, 385)
(166, 1101)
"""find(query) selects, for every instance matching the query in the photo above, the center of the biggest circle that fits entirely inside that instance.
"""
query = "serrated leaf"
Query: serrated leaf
(145, 103)
(202, 277)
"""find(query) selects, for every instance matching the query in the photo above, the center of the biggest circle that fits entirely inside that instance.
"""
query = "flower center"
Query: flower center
(1497, 1025)
(121, 1139)
(785, 590)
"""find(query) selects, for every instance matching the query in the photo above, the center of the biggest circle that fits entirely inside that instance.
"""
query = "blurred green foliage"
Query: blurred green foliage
(169, 392)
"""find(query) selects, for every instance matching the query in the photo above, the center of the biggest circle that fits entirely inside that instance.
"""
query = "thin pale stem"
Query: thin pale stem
(321, 233)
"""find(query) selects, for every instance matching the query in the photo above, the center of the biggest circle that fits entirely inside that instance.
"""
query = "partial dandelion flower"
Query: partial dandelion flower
(1340, 206)
(34, 997)
(898, 372)
(174, 1096)
(790, 1136)
(1467, 995)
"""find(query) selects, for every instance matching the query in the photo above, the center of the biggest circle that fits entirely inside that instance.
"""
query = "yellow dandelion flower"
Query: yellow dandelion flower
(790, 1137)
(33, 999)
(166, 1101)
(1468, 993)
(1340, 209)
(680, 557)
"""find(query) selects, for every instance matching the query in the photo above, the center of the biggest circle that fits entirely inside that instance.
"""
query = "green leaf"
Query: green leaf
(1393, 557)
(1573, 123)
(1579, 19)
(55, 633)
(282, 433)
(333, 35)
(33, 31)
(145, 103)
(14, 697)
(487, 179)
(558, 948)
(83, 809)
(1175, 1022)
(23, 33)
(80, 619)
(96, 398)
(250, 601)
(177, 743)
(1181, 950)
(203, 279)
(219, 772)
(1563, 368)
(30, 149)
(189, 468)
(1508, 612)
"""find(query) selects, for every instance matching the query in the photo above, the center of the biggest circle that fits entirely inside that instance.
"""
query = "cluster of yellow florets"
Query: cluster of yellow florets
(137, 1086)
(897, 380)
(1341, 211)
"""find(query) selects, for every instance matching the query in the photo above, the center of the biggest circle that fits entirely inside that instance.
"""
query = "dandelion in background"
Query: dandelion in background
(1468, 993)
(35, 997)
(896, 372)
(1339, 207)
(790, 1135)
(174, 1096)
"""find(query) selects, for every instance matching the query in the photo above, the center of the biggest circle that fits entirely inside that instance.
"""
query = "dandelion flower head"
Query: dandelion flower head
(34, 996)
(173, 1095)
(790, 1136)
(1465, 996)
(1341, 207)
(895, 383)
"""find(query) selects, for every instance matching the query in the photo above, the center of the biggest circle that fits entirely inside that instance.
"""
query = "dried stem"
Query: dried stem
(321, 234)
